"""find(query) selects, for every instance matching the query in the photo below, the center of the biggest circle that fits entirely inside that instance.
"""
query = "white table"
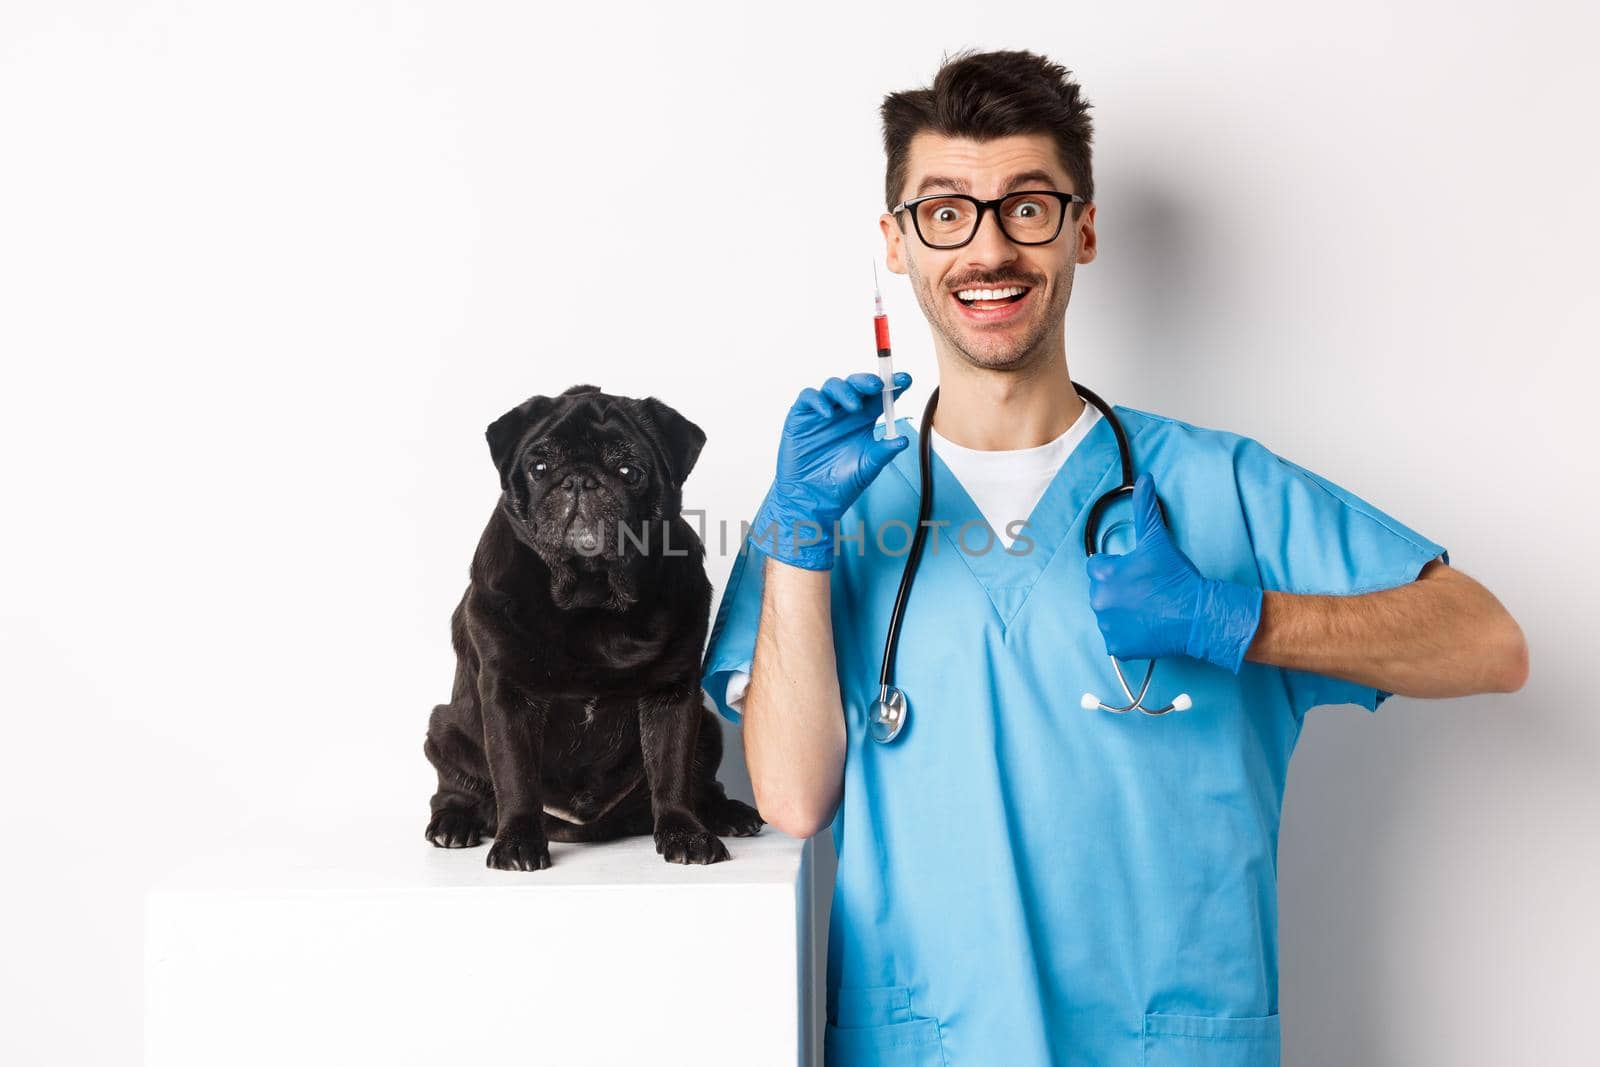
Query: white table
(288, 943)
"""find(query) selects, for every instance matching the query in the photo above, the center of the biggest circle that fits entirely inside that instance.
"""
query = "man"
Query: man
(1024, 880)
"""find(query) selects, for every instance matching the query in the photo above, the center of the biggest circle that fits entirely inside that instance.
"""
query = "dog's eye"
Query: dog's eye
(629, 473)
(538, 468)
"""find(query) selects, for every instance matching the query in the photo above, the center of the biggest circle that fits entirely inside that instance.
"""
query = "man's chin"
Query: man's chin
(995, 356)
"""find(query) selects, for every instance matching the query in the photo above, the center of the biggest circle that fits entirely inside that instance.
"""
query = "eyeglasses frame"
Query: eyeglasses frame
(984, 205)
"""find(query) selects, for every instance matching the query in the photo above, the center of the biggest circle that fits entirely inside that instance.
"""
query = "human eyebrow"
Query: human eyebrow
(960, 185)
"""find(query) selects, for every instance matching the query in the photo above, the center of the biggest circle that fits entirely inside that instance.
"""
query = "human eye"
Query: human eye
(1026, 208)
(945, 216)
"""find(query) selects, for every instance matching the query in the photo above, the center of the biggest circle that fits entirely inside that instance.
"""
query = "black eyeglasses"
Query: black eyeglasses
(950, 220)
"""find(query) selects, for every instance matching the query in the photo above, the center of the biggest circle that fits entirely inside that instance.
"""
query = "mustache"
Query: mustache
(993, 283)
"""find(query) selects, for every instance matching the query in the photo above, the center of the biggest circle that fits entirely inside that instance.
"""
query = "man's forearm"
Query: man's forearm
(1443, 635)
(794, 735)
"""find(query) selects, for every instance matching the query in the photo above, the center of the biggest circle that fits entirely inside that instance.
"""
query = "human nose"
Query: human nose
(989, 242)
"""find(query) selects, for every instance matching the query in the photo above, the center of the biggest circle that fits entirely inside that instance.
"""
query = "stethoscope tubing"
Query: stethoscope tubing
(891, 699)
(918, 538)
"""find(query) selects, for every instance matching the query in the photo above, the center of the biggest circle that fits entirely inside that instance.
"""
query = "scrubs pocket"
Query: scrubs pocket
(1211, 1041)
(875, 1028)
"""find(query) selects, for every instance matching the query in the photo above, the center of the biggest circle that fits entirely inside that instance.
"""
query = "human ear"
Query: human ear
(894, 243)
(1087, 246)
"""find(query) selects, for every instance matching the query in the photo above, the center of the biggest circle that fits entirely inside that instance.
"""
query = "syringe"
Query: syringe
(880, 326)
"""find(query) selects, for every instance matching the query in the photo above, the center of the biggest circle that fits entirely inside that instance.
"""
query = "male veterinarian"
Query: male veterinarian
(1022, 880)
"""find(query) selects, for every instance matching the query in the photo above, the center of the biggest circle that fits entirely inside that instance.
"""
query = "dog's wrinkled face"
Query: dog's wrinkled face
(588, 476)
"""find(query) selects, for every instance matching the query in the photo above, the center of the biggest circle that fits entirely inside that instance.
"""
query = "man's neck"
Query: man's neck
(992, 410)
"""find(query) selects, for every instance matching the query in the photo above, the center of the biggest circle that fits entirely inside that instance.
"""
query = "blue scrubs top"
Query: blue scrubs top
(1022, 881)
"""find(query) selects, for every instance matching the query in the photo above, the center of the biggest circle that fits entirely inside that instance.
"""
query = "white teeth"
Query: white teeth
(990, 294)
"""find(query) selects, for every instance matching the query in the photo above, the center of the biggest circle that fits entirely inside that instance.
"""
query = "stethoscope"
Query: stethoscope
(890, 710)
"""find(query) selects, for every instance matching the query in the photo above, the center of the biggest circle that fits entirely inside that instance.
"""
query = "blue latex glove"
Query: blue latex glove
(826, 457)
(1151, 602)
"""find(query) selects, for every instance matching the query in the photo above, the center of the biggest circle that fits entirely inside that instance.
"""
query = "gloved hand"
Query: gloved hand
(826, 457)
(1151, 602)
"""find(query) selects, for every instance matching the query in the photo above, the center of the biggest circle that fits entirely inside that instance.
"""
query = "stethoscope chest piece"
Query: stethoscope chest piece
(888, 715)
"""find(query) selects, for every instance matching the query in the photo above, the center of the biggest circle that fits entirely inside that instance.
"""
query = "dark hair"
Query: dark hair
(987, 95)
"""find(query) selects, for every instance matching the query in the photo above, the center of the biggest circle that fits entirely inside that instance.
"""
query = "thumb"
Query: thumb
(1147, 521)
(878, 454)
(1100, 567)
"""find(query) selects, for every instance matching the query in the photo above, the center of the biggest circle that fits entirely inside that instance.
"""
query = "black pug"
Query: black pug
(576, 712)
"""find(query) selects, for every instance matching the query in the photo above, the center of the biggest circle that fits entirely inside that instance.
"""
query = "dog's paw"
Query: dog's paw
(519, 854)
(732, 818)
(454, 828)
(683, 840)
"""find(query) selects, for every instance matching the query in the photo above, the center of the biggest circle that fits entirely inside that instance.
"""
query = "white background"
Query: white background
(267, 271)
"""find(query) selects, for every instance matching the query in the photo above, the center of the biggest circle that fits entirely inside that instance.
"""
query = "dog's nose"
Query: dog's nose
(571, 482)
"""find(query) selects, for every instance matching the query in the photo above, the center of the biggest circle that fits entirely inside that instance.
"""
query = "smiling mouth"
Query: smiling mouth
(981, 304)
(1002, 311)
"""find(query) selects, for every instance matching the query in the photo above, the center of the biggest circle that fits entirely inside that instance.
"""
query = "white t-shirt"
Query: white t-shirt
(1006, 484)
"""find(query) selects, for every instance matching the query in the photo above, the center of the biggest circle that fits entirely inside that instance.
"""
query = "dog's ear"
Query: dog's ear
(504, 433)
(682, 438)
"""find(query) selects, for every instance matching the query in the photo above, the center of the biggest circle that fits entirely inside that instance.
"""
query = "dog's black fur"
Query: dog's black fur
(576, 712)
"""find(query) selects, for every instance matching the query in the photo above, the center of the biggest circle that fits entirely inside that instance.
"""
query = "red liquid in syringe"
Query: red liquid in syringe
(880, 328)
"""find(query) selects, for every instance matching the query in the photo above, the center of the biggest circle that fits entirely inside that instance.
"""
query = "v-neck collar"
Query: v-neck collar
(1009, 577)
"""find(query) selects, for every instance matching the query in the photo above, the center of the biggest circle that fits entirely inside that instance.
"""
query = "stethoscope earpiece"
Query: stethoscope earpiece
(1090, 702)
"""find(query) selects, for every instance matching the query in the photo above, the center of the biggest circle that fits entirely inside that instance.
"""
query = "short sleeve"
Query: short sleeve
(738, 683)
(733, 633)
(1312, 536)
